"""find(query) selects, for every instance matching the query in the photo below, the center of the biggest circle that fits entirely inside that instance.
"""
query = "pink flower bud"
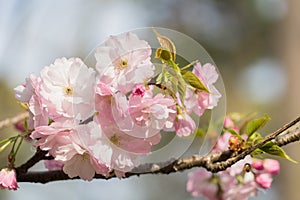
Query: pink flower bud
(258, 164)
(236, 129)
(8, 179)
(228, 123)
(139, 90)
(264, 180)
(20, 126)
(271, 166)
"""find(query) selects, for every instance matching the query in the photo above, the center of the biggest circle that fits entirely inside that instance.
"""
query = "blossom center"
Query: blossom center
(68, 90)
(124, 63)
(115, 140)
(84, 156)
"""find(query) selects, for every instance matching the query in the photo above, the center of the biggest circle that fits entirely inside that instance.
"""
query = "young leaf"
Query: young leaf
(181, 88)
(164, 55)
(173, 86)
(194, 81)
(163, 77)
(256, 124)
(274, 149)
(166, 43)
(233, 132)
(254, 138)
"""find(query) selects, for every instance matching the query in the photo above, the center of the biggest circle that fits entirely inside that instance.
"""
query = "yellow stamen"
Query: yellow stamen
(68, 90)
(124, 63)
(115, 140)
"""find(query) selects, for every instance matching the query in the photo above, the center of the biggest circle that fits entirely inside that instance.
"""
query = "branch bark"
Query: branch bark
(214, 161)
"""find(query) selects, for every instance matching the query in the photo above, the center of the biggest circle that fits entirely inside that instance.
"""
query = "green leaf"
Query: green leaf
(172, 85)
(274, 149)
(162, 78)
(255, 138)
(164, 55)
(194, 81)
(233, 132)
(181, 89)
(166, 43)
(172, 79)
(256, 124)
(257, 152)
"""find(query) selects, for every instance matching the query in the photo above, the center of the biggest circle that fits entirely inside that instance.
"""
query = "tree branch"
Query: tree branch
(214, 161)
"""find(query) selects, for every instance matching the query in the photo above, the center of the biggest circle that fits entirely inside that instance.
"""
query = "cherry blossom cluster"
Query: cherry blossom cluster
(241, 181)
(95, 120)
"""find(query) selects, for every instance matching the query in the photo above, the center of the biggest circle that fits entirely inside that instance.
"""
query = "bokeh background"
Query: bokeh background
(255, 44)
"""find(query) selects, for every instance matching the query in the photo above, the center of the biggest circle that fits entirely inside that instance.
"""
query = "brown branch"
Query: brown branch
(214, 162)
(13, 120)
(38, 156)
(290, 137)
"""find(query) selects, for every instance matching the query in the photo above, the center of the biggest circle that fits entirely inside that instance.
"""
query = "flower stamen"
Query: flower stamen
(68, 90)
(115, 140)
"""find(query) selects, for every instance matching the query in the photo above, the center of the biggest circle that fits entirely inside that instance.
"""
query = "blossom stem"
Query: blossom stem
(189, 65)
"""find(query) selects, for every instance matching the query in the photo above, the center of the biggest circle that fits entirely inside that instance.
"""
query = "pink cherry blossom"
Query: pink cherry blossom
(24, 92)
(27, 93)
(200, 184)
(228, 123)
(111, 106)
(124, 61)
(8, 179)
(38, 113)
(20, 126)
(238, 167)
(139, 90)
(184, 125)
(50, 138)
(264, 180)
(87, 154)
(140, 116)
(65, 89)
(126, 148)
(271, 166)
(112, 117)
(258, 164)
(83, 149)
(149, 115)
(222, 143)
(231, 189)
(235, 182)
(199, 101)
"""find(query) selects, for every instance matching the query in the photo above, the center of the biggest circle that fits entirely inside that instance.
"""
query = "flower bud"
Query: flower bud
(271, 166)
(264, 180)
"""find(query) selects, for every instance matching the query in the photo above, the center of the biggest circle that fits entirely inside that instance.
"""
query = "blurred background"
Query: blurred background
(255, 44)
